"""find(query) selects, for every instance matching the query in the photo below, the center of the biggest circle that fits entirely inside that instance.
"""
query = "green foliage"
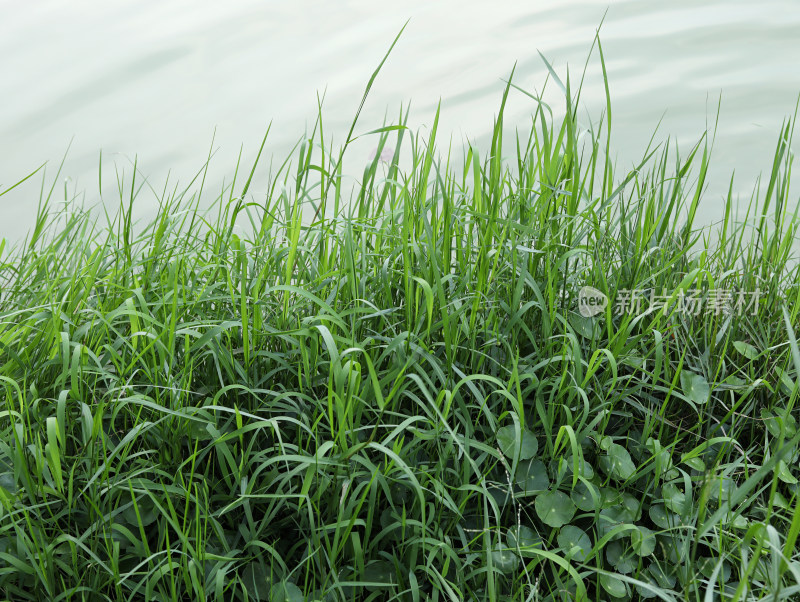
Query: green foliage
(298, 394)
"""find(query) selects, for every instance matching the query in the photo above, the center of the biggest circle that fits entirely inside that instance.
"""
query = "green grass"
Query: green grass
(389, 394)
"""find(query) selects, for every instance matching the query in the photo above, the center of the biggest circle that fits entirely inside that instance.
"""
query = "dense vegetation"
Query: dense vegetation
(391, 395)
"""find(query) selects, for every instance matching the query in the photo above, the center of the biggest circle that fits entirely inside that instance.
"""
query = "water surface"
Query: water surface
(154, 80)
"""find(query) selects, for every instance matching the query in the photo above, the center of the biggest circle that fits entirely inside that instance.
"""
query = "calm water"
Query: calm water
(154, 79)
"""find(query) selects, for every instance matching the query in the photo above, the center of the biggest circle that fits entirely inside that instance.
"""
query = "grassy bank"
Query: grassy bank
(392, 395)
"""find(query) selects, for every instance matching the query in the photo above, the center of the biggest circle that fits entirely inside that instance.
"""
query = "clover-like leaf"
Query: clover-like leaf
(721, 488)
(285, 591)
(675, 499)
(694, 463)
(567, 465)
(775, 423)
(554, 508)
(706, 565)
(199, 429)
(611, 518)
(584, 326)
(674, 546)
(746, 349)
(257, 581)
(501, 494)
(617, 463)
(740, 522)
(646, 592)
(663, 576)
(379, 572)
(630, 509)
(784, 474)
(521, 539)
(621, 557)
(662, 517)
(147, 512)
(531, 476)
(509, 443)
(575, 542)
(582, 497)
(505, 559)
(695, 387)
(8, 482)
(401, 494)
(643, 541)
(615, 587)
(787, 382)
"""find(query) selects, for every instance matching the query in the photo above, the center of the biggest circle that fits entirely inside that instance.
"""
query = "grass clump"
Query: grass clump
(393, 396)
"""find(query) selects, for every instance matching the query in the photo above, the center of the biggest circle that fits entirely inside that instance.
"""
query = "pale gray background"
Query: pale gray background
(154, 78)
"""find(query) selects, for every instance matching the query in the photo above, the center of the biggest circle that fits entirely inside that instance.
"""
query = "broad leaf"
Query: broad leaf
(617, 463)
(621, 557)
(613, 586)
(575, 542)
(505, 559)
(582, 497)
(643, 541)
(379, 572)
(521, 538)
(695, 387)
(746, 349)
(285, 591)
(531, 476)
(554, 508)
(663, 518)
(509, 443)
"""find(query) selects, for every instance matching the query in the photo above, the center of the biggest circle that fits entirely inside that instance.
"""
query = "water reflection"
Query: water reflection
(155, 79)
